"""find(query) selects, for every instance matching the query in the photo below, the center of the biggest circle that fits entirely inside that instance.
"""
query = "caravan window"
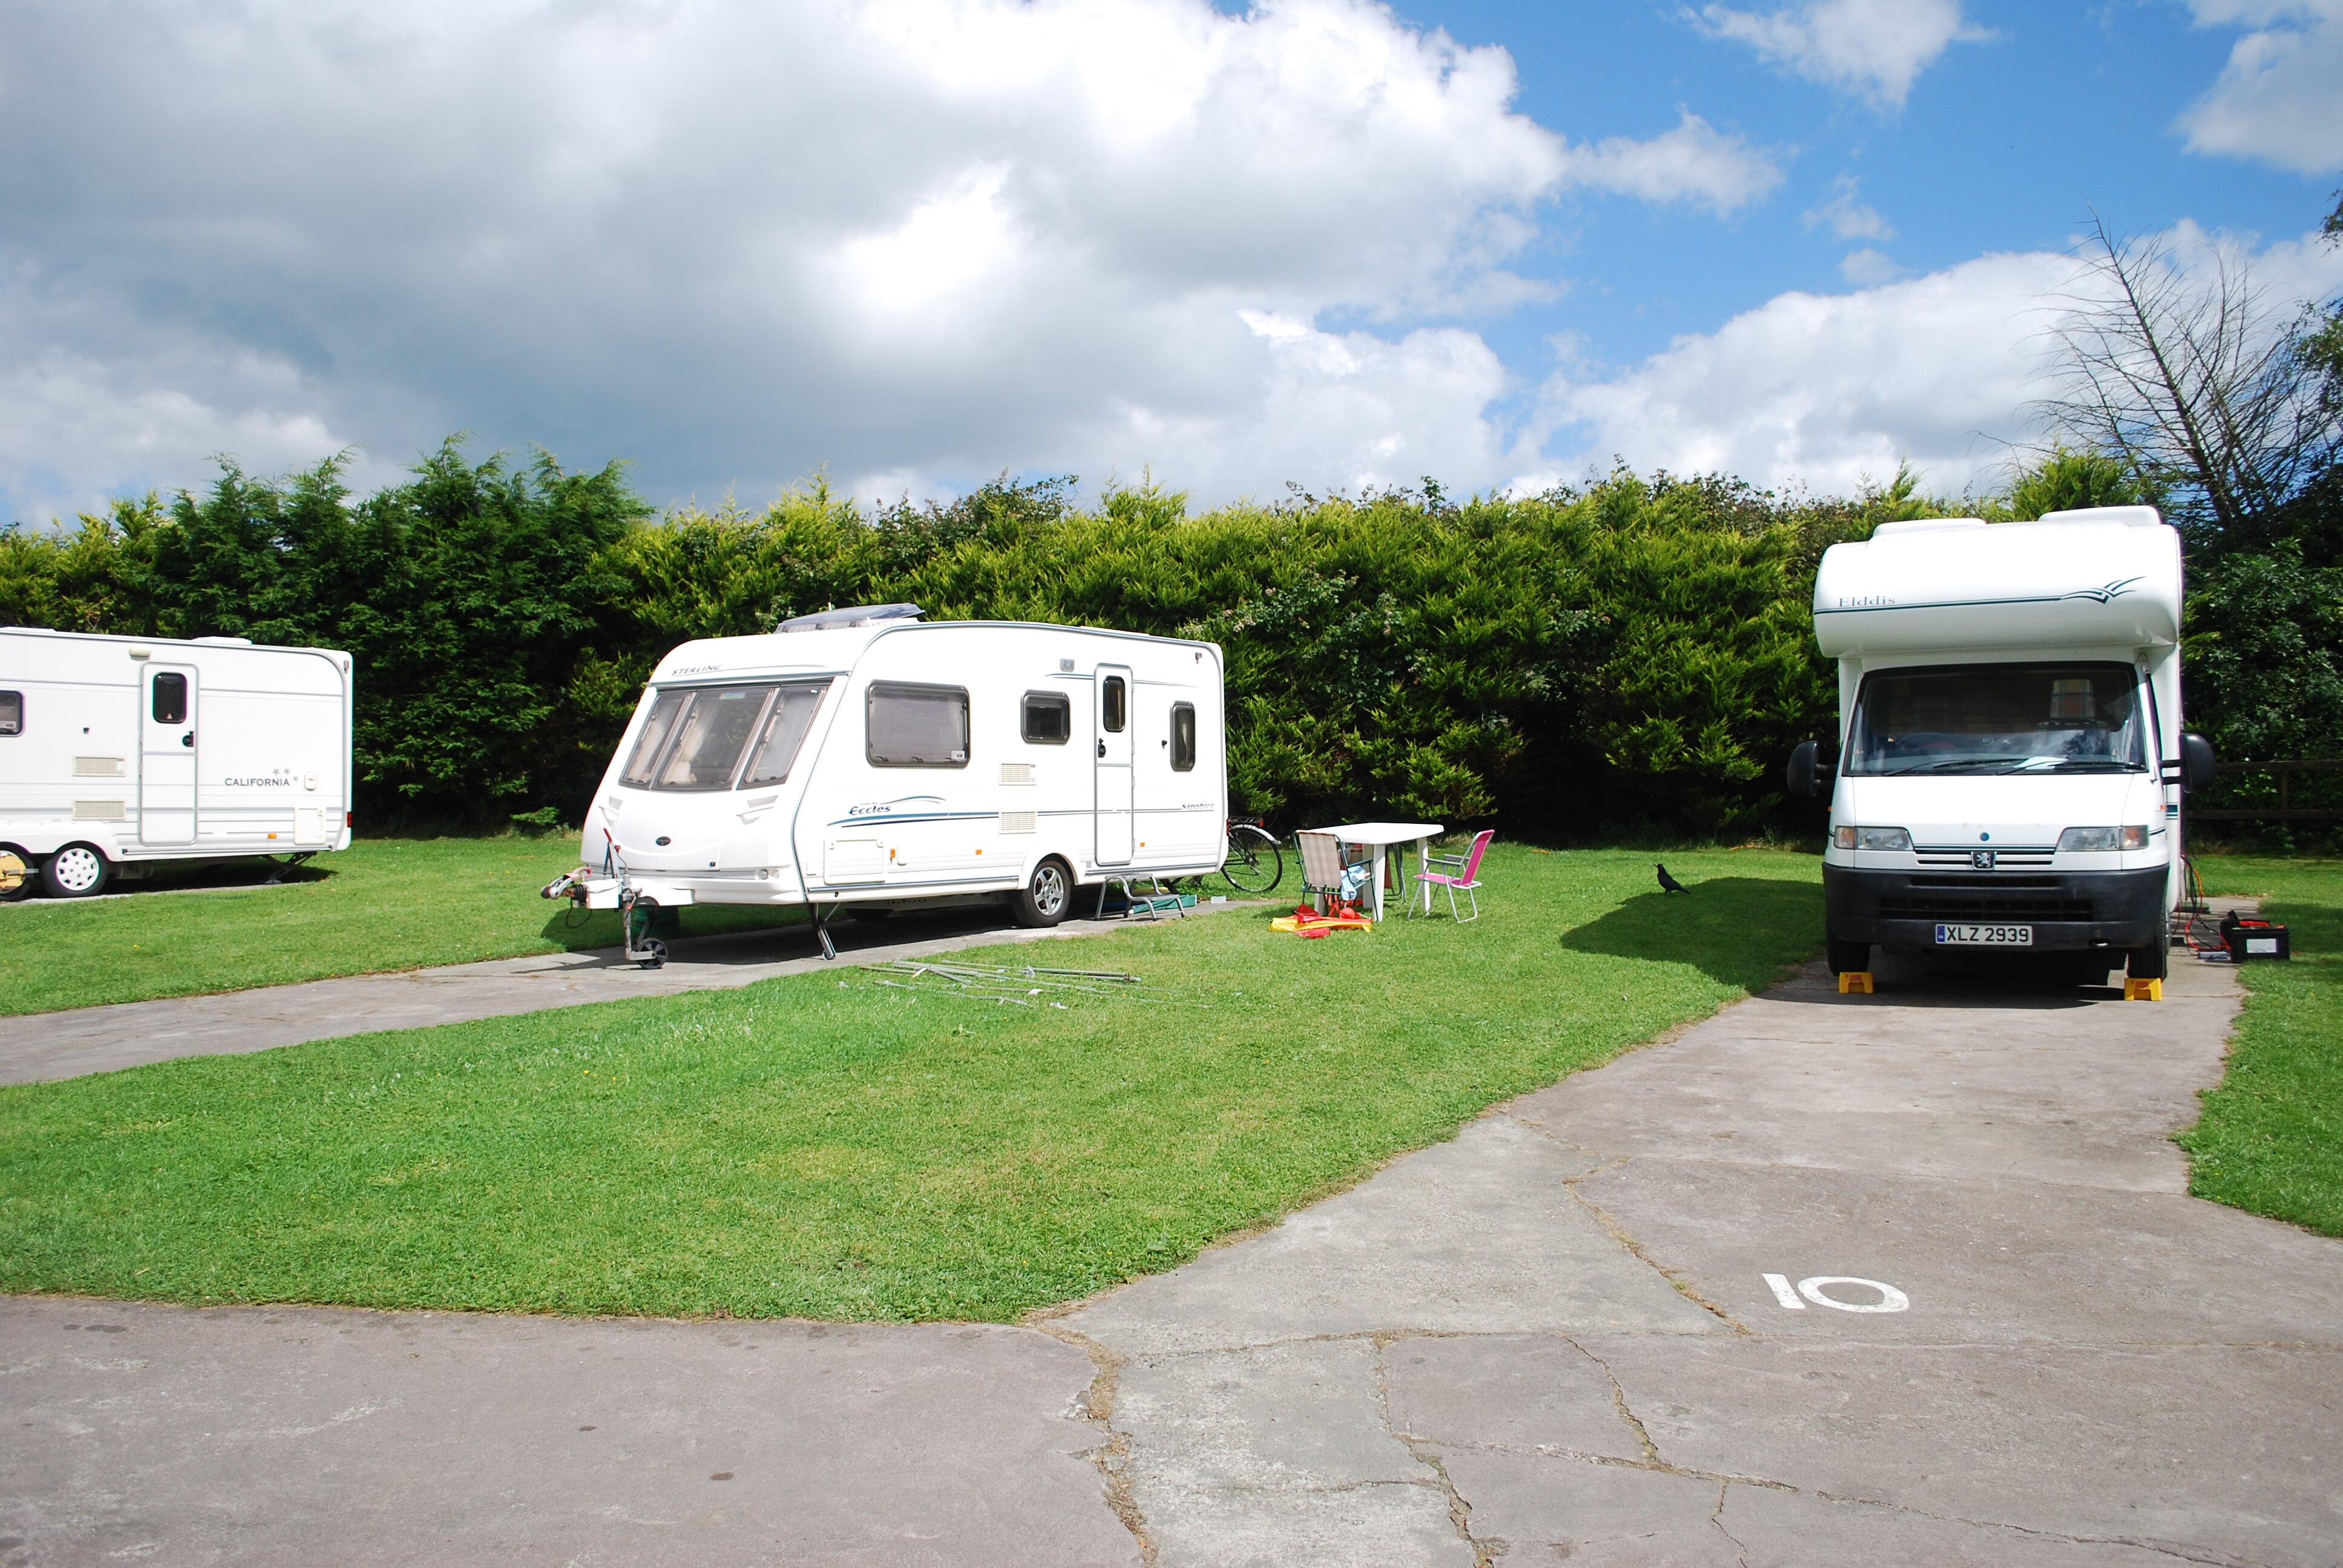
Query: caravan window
(12, 713)
(786, 723)
(1049, 718)
(170, 696)
(656, 729)
(918, 726)
(694, 740)
(709, 736)
(1985, 718)
(1184, 737)
(1115, 704)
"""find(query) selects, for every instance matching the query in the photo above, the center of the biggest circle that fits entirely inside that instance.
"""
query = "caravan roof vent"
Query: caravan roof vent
(850, 615)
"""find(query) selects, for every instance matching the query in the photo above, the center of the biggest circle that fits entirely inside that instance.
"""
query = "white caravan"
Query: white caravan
(862, 757)
(2010, 759)
(117, 753)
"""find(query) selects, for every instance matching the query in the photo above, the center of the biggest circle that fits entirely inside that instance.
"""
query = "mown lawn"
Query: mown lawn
(2270, 1140)
(382, 904)
(820, 1145)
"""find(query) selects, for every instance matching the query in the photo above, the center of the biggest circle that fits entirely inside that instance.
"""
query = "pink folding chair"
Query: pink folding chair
(1462, 876)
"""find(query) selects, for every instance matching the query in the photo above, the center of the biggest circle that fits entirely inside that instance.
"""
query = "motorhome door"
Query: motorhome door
(1114, 772)
(167, 756)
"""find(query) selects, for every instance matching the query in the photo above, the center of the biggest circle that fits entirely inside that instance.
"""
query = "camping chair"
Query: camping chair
(1321, 866)
(1463, 877)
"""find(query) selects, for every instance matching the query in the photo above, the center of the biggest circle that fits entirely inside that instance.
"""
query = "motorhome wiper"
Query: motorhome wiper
(1961, 764)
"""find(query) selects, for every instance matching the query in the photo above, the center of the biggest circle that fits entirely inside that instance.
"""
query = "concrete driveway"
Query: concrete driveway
(1597, 1327)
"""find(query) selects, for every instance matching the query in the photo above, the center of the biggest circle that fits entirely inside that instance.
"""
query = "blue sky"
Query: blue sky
(2005, 143)
(909, 244)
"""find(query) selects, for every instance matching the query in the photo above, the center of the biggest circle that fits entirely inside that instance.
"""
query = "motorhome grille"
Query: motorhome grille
(97, 811)
(2005, 857)
(1932, 906)
(1017, 773)
(97, 767)
(1017, 822)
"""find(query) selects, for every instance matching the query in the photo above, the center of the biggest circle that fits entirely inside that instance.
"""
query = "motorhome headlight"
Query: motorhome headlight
(2102, 838)
(1873, 838)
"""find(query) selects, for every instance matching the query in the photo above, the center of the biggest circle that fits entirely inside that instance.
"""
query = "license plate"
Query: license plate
(1984, 936)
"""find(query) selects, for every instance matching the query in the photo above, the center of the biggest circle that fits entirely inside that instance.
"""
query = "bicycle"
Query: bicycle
(1253, 863)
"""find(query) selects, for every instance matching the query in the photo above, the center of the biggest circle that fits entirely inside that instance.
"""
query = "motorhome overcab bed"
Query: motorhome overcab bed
(2011, 758)
(118, 753)
(865, 758)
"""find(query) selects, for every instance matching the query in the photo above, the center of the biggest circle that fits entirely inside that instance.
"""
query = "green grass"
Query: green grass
(382, 904)
(820, 1145)
(2270, 1139)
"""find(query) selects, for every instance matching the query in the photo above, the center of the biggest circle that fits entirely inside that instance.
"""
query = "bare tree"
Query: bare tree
(2189, 379)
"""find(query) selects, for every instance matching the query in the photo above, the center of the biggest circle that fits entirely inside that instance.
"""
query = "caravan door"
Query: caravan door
(166, 755)
(1114, 775)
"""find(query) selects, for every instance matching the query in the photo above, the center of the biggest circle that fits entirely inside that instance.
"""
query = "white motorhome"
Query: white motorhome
(117, 753)
(2011, 760)
(865, 758)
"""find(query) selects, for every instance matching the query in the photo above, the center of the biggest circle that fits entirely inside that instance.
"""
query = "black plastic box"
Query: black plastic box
(2251, 939)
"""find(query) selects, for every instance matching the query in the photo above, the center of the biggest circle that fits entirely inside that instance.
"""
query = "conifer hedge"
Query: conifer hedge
(1634, 652)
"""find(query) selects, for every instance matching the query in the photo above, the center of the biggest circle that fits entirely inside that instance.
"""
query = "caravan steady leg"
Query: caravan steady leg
(821, 932)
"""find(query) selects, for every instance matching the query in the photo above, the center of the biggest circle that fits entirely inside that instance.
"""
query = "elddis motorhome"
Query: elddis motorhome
(2011, 758)
(863, 756)
(120, 752)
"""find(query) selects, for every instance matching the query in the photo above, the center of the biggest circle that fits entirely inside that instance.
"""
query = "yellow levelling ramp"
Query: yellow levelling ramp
(2143, 990)
(1855, 981)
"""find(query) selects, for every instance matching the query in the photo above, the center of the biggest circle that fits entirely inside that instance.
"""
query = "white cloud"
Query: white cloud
(1694, 163)
(914, 239)
(1832, 391)
(1847, 216)
(1869, 267)
(1877, 47)
(2279, 99)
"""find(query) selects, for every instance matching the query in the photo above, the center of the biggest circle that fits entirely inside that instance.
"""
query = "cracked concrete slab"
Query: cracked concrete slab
(304, 1435)
(1479, 1235)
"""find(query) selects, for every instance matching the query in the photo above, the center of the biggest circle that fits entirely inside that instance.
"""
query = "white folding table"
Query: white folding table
(1383, 836)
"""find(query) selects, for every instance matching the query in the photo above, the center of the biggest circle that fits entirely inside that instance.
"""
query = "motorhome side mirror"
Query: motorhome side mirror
(1807, 773)
(2197, 763)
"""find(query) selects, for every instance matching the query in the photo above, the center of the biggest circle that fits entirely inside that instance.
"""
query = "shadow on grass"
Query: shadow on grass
(579, 931)
(1739, 931)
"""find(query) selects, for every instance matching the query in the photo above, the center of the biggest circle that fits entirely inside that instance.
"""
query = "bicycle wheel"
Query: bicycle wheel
(1254, 864)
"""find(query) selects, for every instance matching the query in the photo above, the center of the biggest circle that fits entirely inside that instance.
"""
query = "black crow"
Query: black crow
(1669, 884)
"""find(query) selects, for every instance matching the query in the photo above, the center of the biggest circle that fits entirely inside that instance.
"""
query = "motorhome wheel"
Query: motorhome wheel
(1045, 899)
(75, 872)
(2153, 961)
(1847, 958)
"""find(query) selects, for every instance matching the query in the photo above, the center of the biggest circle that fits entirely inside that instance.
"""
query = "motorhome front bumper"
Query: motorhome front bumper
(2068, 910)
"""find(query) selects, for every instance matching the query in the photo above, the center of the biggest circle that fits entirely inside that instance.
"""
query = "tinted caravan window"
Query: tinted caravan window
(170, 696)
(1115, 704)
(1049, 718)
(12, 713)
(1184, 737)
(917, 726)
(786, 723)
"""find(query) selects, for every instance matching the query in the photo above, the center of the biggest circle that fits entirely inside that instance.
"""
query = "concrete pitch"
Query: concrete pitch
(39, 1047)
(1567, 1312)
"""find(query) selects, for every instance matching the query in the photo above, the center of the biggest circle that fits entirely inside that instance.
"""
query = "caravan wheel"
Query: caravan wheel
(75, 872)
(1045, 899)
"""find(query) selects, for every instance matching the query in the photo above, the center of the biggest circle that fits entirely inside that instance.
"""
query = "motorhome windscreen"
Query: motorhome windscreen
(693, 739)
(2000, 718)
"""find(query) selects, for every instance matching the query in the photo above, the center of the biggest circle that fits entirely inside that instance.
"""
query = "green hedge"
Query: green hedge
(1633, 653)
